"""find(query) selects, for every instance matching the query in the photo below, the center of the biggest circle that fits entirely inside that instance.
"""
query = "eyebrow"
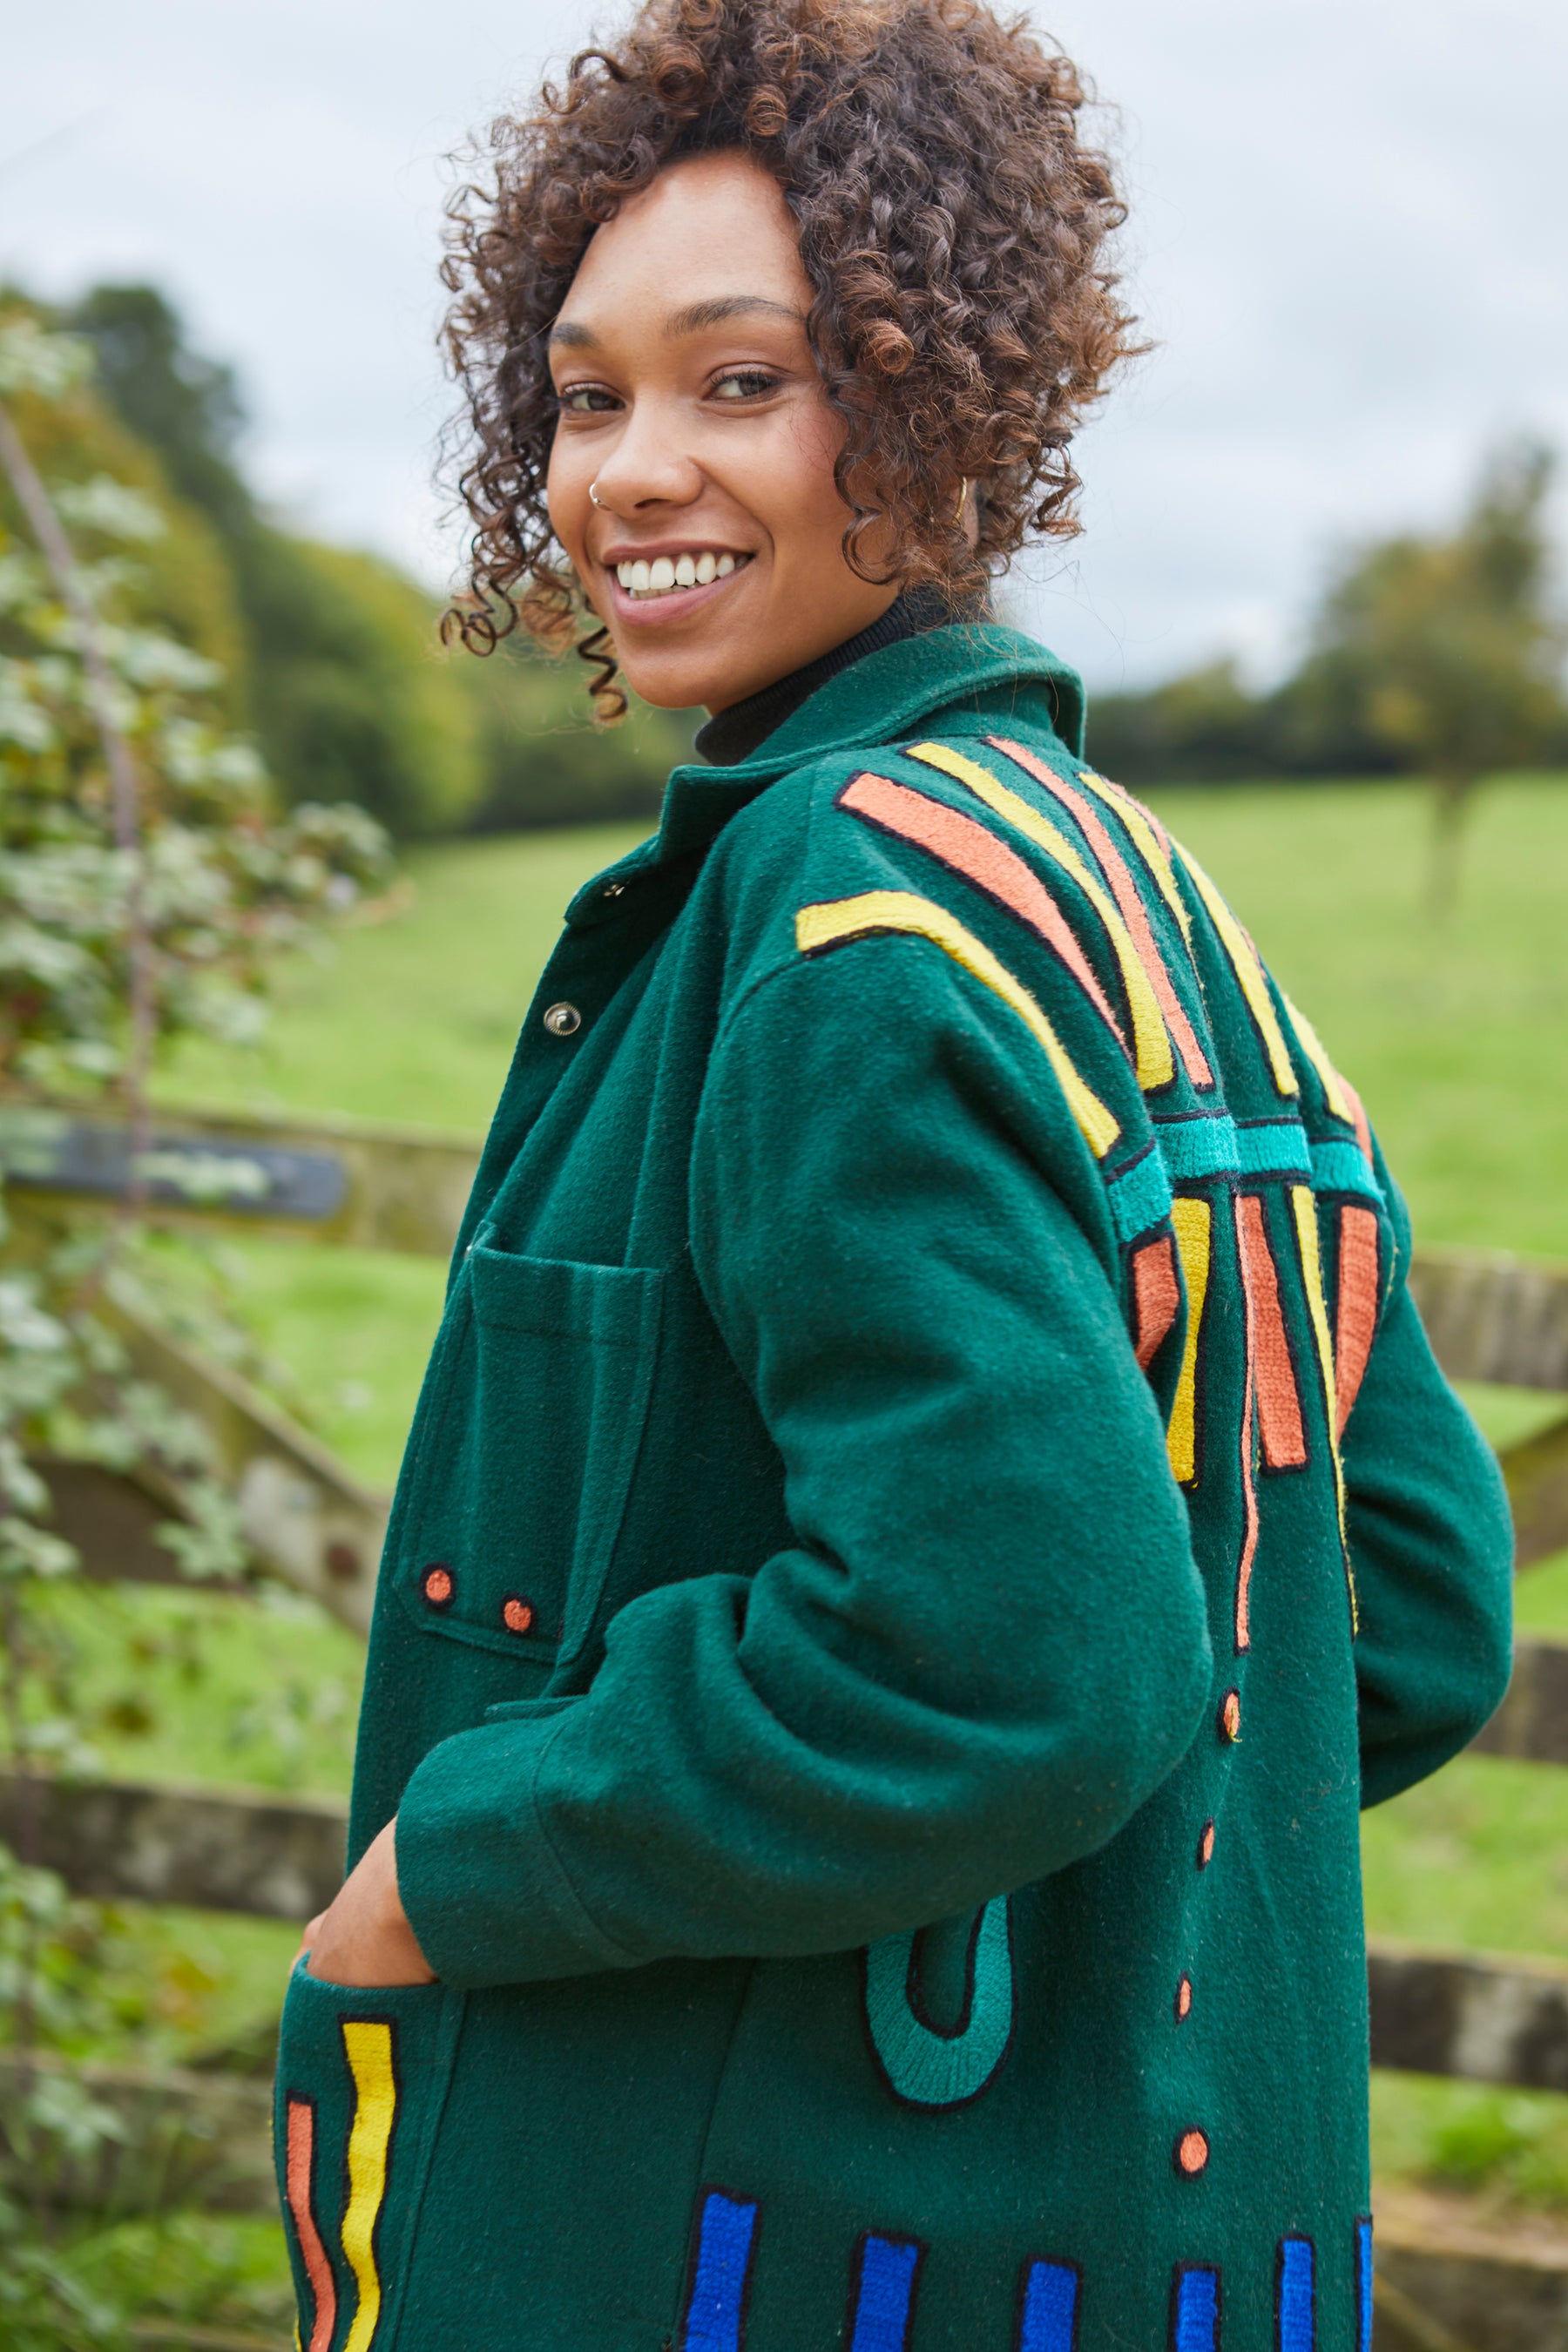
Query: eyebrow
(571, 335)
(713, 313)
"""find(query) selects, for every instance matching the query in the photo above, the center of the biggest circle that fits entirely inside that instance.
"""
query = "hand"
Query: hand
(364, 1937)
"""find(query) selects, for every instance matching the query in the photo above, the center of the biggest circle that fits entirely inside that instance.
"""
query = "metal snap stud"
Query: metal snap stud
(562, 1019)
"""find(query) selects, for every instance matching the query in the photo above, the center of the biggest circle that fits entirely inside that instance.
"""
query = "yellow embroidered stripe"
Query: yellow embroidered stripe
(1305, 1212)
(367, 2045)
(1194, 1224)
(1152, 1044)
(835, 921)
(1249, 972)
(1150, 839)
(1334, 1091)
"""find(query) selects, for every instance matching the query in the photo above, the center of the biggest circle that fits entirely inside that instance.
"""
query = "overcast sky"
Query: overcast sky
(1350, 222)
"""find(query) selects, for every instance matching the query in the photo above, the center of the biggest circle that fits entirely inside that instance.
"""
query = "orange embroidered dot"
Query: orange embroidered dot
(517, 1614)
(1230, 1716)
(1206, 1846)
(1192, 2153)
(438, 1586)
(1184, 1998)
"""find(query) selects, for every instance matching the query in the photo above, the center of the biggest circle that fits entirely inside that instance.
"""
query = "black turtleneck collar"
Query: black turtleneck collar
(732, 735)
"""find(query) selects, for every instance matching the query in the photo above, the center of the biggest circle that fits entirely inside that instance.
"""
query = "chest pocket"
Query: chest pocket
(525, 1473)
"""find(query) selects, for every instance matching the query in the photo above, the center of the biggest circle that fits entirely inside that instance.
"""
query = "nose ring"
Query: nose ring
(594, 498)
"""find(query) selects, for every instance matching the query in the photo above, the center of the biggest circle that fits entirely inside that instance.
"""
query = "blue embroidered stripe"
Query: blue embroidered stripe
(1344, 1168)
(1049, 2319)
(1364, 2285)
(1297, 2327)
(1195, 2324)
(885, 2295)
(717, 2303)
(1139, 1196)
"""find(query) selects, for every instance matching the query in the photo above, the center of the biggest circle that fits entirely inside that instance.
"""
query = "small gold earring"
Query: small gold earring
(958, 510)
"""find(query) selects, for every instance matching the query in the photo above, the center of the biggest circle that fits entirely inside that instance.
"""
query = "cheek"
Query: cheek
(567, 493)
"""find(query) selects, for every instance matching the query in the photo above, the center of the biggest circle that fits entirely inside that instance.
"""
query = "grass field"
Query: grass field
(1458, 1040)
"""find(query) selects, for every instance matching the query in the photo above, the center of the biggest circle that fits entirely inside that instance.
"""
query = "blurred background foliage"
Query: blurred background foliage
(1440, 656)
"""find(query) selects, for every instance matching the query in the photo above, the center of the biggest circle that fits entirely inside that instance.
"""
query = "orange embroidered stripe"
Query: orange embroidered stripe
(1156, 1296)
(1306, 1214)
(1193, 1221)
(969, 849)
(1355, 1307)
(1279, 1405)
(835, 921)
(1336, 1094)
(1153, 841)
(367, 2045)
(1124, 890)
(1152, 1045)
(1362, 1126)
(1245, 1236)
(1249, 972)
(299, 2181)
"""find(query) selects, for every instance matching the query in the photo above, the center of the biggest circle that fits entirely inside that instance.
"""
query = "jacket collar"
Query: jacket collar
(970, 673)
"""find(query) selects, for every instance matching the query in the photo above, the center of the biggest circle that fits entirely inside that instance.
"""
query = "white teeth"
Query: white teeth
(666, 572)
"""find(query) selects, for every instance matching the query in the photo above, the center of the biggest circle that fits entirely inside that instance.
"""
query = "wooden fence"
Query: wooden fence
(203, 2132)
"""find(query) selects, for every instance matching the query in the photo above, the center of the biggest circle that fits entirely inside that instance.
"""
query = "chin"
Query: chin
(677, 686)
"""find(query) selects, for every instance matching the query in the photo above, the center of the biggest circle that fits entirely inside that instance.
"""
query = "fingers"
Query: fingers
(311, 1931)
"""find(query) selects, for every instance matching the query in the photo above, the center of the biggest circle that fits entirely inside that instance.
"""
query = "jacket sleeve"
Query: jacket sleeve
(985, 1646)
(1432, 1550)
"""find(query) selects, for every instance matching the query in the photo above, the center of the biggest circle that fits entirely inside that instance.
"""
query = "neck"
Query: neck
(732, 735)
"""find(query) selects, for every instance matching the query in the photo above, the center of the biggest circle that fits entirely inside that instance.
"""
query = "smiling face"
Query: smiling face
(691, 402)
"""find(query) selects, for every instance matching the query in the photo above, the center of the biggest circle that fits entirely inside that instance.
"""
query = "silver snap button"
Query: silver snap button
(613, 889)
(562, 1019)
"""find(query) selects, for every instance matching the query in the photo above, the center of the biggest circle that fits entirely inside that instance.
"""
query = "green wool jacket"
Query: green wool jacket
(931, 1510)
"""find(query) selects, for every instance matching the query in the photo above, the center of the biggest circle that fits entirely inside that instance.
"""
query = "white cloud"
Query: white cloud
(1348, 222)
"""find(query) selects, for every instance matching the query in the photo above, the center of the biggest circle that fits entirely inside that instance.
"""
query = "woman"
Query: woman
(931, 1504)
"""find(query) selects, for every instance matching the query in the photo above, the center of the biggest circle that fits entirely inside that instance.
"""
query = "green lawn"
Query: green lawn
(1458, 1040)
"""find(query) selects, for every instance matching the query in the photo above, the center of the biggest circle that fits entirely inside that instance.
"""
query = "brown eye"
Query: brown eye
(588, 399)
(744, 383)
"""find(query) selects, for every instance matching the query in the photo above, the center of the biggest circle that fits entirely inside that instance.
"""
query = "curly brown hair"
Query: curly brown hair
(952, 227)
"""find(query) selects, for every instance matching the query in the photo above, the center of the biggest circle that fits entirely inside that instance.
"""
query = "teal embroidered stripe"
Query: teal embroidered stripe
(1216, 1146)
(1139, 1196)
(1188, 1150)
(1344, 1168)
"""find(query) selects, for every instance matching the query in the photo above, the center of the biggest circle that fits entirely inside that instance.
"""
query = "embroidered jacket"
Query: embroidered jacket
(931, 1510)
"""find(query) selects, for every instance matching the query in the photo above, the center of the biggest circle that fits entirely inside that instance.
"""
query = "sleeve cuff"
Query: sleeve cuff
(485, 1893)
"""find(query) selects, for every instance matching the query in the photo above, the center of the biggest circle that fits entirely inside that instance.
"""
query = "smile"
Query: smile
(667, 574)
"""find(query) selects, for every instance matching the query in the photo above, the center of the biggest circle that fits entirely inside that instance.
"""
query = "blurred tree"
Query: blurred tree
(1442, 655)
(345, 682)
(545, 762)
(1450, 650)
(1205, 727)
(179, 580)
